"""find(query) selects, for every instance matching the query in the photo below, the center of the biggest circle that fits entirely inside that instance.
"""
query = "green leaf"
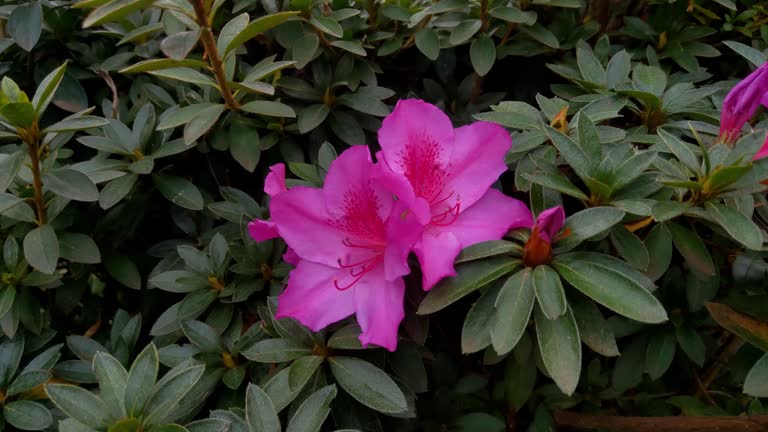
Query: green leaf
(71, 184)
(9, 168)
(27, 381)
(364, 104)
(244, 145)
(179, 191)
(588, 223)
(560, 349)
(465, 30)
(692, 344)
(78, 248)
(202, 122)
(302, 370)
(309, 417)
(630, 247)
(368, 384)
(113, 379)
(257, 27)
(158, 64)
(184, 74)
(610, 286)
(514, 15)
(123, 270)
(327, 25)
(114, 11)
(594, 330)
(471, 276)
(346, 337)
(170, 392)
(141, 381)
(27, 415)
(617, 71)
(76, 124)
(649, 79)
(80, 404)
(116, 190)
(304, 49)
(178, 46)
(549, 291)
(47, 88)
(681, 150)
(10, 356)
(260, 413)
(25, 24)
(485, 249)
(276, 351)
(269, 108)
(482, 53)
(353, 47)
(740, 227)
(693, 249)
(19, 114)
(666, 210)
(752, 330)
(513, 309)
(756, 383)
(659, 353)
(428, 43)
(203, 336)
(7, 296)
(41, 249)
(571, 152)
(591, 68)
(312, 116)
(754, 56)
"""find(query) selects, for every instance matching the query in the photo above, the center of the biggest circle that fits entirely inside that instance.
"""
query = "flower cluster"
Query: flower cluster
(741, 103)
(429, 193)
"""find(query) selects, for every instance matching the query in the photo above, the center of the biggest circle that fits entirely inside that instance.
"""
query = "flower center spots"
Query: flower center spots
(361, 215)
(420, 162)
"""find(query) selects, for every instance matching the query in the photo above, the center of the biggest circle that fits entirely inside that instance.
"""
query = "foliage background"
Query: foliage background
(124, 203)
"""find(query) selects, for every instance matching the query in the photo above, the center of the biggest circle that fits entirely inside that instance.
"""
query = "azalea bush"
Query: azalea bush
(453, 215)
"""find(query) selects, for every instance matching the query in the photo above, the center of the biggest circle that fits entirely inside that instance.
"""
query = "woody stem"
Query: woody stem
(209, 44)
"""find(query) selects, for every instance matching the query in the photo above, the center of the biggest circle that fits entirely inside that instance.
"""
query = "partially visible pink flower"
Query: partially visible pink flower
(544, 231)
(274, 184)
(741, 103)
(449, 173)
(352, 240)
(763, 150)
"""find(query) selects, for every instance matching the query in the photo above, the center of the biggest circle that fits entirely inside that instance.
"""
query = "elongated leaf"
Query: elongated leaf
(313, 411)
(513, 309)
(588, 223)
(257, 27)
(613, 288)
(27, 415)
(560, 349)
(41, 249)
(549, 291)
(693, 249)
(260, 413)
(179, 191)
(71, 184)
(740, 227)
(114, 11)
(471, 276)
(79, 403)
(368, 384)
(746, 327)
(113, 379)
(141, 381)
(756, 383)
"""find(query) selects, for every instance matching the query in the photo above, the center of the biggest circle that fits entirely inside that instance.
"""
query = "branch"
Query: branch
(31, 137)
(662, 424)
(209, 44)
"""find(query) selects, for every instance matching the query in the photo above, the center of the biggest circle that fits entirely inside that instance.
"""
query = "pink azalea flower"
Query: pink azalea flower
(741, 103)
(352, 240)
(274, 184)
(544, 231)
(449, 173)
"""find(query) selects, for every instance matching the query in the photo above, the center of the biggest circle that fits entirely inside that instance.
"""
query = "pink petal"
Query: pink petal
(304, 224)
(356, 203)
(489, 219)
(550, 222)
(477, 160)
(742, 101)
(436, 253)
(403, 230)
(763, 150)
(400, 187)
(261, 230)
(312, 299)
(379, 306)
(290, 257)
(416, 141)
(275, 181)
